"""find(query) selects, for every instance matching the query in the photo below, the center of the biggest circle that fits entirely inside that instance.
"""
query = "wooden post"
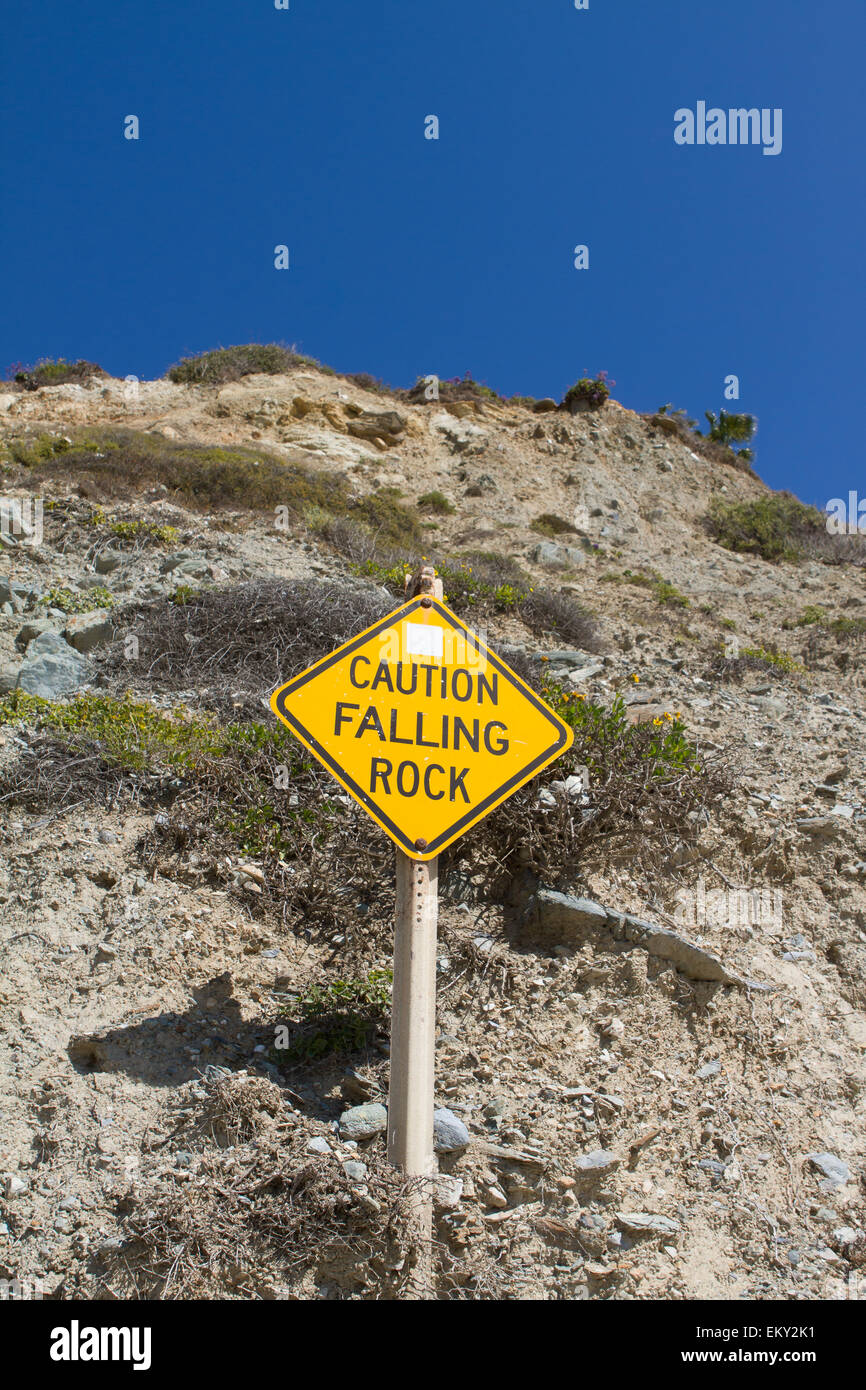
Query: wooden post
(413, 1043)
(413, 1028)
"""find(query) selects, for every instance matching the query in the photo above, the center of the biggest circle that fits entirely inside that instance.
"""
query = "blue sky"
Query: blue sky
(305, 127)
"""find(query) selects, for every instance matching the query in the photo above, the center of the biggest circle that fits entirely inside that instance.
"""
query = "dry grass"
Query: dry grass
(264, 1214)
(238, 644)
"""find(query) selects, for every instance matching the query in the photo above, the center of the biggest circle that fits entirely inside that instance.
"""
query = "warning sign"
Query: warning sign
(422, 724)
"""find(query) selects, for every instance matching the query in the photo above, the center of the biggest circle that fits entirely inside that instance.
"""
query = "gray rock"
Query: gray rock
(357, 1087)
(571, 657)
(31, 630)
(712, 1165)
(618, 1240)
(449, 1133)
(194, 569)
(552, 555)
(318, 1145)
(481, 486)
(107, 562)
(560, 914)
(846, 1235)
(817, 825)
(639, 1223)
(836, 1171)
(187, 561)
(52, 669)
(592, 1222)
(596, 1164)
(85, 631)
(711, 1069)
(377, 424)
(363, 1121)
(572, 787)
(355, 1170)
(448, 1192)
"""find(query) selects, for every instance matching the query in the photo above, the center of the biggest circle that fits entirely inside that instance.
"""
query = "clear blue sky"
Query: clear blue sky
(306, 127)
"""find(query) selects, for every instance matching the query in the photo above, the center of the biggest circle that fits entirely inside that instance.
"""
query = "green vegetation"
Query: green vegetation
(812, 613)
(847, 627)
(732, 429)
(779, 661)
(663, 591)
(483, 583)
(75, 601)
(776, 527)
(341, 1017)
(144, 531)
(437, 503)
(678, 415)
(54, 372)
(125, 462)
(668, 593)
(221, 365)
(452, 389)
(132, 733)
(589, 393)
(646, 783)
(549, 524)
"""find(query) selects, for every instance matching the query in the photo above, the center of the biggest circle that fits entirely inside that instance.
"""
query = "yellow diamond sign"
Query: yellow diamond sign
(422, 724)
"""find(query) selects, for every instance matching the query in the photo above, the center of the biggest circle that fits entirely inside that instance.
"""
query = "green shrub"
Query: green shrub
(589, 393)
(137, 530)
(386, 519)
(548, 524)
(455, 388)
(647, 783)
(124, 463)
(227, 792)
(776, 527)
(221, 365)
(73, 601)
(55, 372)
(663, 591)
(668, 593)
(678, 416)
(436, 502)
(812, 613)
(732, 429)
(342, 1017)
(779, 661)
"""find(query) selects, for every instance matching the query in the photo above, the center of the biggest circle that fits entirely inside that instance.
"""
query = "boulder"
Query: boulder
(52, 669)
(363, 1121)
(85, 631)
(553, 556)
(450, 1134)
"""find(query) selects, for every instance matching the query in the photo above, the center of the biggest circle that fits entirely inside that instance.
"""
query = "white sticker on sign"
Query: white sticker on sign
(422, 640)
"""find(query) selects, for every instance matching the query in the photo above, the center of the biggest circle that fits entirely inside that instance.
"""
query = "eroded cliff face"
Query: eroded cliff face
(636, 1129)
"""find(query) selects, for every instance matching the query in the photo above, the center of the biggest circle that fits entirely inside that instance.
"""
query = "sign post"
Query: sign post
(429, 731)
